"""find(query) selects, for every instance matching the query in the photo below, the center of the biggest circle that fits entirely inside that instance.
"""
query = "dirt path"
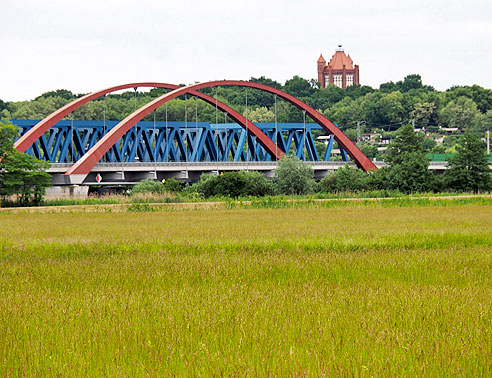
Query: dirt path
(193, 205)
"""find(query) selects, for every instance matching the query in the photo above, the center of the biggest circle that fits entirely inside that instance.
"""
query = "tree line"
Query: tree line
(388, 107)
(383, 110)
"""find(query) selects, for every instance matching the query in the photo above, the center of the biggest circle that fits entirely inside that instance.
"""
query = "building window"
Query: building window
(327, 79)
(350, 80)
(337, 79)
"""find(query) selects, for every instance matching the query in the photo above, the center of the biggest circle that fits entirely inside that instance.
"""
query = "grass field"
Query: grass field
(357, 290)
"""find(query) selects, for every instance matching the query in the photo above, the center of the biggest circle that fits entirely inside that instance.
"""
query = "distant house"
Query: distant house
(439, 139)
(384, 141)
(371, 137)
(449, 130)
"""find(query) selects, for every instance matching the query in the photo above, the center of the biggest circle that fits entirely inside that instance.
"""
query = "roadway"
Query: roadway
(131, 173)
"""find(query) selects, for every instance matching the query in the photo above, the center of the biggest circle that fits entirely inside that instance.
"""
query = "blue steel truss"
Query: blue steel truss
(68, 141)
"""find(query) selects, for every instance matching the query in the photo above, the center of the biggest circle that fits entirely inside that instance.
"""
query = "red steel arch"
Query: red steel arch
(24, 142)
(85, 164)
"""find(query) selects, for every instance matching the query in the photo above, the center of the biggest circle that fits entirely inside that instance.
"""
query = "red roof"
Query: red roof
(321, 59)
(339, 59)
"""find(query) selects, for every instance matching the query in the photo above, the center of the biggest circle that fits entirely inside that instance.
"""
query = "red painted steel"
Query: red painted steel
(24, 142)
(85, 164)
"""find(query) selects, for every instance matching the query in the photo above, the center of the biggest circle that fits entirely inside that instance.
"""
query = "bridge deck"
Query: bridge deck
(131, 173)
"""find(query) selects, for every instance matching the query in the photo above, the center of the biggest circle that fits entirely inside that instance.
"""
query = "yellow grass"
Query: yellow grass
(352, 291)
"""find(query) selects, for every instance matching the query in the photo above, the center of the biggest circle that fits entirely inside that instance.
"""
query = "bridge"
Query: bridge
(148, 141)
(85, 150)
(160, 150)
(130, 173)
(186, 150)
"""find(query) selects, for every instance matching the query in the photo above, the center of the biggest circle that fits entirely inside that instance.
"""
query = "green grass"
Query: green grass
(369, 291)
(186, 198)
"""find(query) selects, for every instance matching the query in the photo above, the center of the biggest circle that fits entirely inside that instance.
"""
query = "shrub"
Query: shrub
(345, 179)
(258, 185)
(378, 180)
(173, 185)
(293, 176)
(148, 186)
(233, 184)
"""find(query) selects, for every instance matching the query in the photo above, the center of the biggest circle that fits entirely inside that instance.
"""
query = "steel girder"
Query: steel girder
(68, 140)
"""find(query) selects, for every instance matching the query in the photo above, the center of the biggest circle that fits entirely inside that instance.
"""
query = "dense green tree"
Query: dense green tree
(258, 185)
(424, 114)
(370, 150)
(299, 87)
(293, 176)
(266, 81)
(345, 113)
(62, 93)
(261, 114)
(428, 144)
(413, 81)
(410, 83)
(229, 184)
(388, 87)
(481, 96)
(39, 108)
(157, 92)
(439, 149)
(486, 121)
(326, 97)
(345, 179)
(461, 113)
(261, 98)
(409, 164)
(469, 170)
(351, 133)
(357, 91)
(233, 185)
(8, 134)
(383, 109)
(172, 185)
(295, 115)
(20, 174)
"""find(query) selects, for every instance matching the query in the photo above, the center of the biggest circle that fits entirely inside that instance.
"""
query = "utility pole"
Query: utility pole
(358, 133)
(488, 142)
(359, 124)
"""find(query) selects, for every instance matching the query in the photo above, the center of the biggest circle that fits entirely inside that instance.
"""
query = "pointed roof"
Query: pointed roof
(339, 59)
(321, 59)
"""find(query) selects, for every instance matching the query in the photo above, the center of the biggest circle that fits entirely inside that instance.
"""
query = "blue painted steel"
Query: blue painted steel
(69, 140)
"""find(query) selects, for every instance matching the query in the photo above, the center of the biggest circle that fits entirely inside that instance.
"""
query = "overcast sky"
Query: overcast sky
(91, 44)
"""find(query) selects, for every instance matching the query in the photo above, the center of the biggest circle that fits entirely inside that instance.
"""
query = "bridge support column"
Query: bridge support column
(76, 179)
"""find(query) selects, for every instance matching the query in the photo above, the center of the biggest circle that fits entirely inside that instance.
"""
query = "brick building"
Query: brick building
(340, 70)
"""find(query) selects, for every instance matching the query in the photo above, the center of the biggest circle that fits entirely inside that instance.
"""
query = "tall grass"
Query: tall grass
(345, 291)
(170, 197)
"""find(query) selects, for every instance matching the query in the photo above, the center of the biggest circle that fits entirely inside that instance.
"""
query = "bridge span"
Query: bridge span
(113, 174)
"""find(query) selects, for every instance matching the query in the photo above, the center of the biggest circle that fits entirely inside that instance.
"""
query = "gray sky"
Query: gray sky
(91, 44)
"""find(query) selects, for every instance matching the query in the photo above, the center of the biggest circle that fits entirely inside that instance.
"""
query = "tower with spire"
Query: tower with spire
(339, 71)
